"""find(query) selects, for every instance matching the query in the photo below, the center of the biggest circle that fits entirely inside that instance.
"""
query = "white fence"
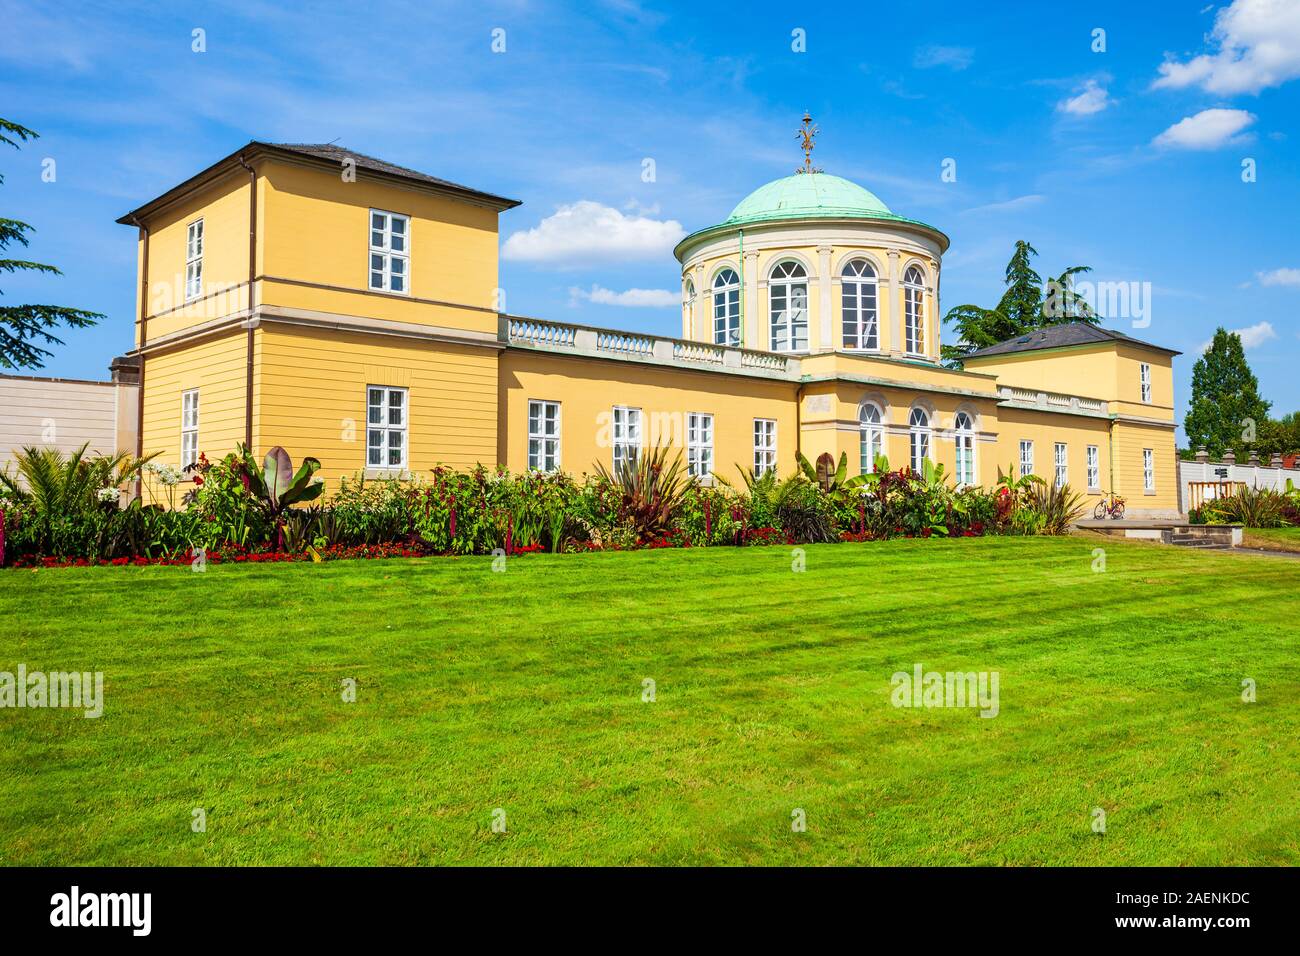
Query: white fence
(1195, 479)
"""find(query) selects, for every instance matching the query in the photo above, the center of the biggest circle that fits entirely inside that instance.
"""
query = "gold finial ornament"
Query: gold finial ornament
(807, 133)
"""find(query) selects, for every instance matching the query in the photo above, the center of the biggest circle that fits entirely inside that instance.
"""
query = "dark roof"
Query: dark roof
(325, 154)
(1063, 336)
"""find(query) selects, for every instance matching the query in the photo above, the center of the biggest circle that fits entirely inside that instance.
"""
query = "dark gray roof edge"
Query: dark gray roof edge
(323, 153)
(1063, 336)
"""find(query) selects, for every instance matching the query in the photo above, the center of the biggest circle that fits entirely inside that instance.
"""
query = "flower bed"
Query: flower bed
(237, 510)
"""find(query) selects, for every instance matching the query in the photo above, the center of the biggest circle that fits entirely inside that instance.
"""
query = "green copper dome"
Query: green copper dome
(809, 196)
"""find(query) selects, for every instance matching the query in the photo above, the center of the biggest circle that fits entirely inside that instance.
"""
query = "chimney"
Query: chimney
(125, 369)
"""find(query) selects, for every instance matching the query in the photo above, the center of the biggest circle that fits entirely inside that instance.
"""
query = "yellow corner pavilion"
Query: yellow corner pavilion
(343, 307)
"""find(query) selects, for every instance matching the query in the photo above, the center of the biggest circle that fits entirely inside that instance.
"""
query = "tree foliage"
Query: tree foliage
(24, 329)
(1025, 305)
(1226, 411)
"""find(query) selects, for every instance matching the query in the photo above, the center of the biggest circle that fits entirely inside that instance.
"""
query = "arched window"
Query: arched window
(858, 302)
(913, 311)
(919, 426)
(870, 424)
(788, 304)
(964, 436)
(688, 309)
(726, 308)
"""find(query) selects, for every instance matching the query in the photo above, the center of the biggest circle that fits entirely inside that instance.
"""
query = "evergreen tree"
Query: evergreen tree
(1025, 306)
(1226, 410)
(24, 328)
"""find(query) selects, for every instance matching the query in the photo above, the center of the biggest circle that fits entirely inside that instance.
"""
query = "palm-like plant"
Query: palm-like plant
(1058, 506)
(277, 487)
(650, 492)
(52, 482)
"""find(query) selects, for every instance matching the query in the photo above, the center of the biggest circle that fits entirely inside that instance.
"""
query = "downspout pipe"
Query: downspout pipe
(252, 273)
(144, 319)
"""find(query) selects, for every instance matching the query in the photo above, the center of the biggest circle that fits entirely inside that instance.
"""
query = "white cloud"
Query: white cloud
(1252, 336)
(1279, 277)
(1093, 99)
(1032, 199)
(1258, 46)
(634, 298)
(586, 230)
(1208, 129)
(953, 57)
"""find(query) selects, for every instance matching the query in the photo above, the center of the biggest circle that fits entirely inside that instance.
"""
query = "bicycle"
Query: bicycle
(1115, 509)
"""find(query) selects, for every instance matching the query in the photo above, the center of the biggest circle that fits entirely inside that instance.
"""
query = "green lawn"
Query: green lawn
(522, 690)
(1271, 539)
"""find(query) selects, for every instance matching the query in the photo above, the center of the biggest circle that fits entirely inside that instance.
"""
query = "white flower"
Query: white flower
(108, 494)
(165, 474)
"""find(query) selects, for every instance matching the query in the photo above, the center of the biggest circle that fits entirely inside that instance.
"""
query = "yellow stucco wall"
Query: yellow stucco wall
(216, 367)
(1108, 371)
(318, 236)
(223, 207)
(313, 398)
(587, 390)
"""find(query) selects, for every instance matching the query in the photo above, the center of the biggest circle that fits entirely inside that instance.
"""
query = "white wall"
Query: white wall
(65, 413)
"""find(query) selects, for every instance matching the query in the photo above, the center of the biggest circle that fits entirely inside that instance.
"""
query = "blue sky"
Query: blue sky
(1127, 160)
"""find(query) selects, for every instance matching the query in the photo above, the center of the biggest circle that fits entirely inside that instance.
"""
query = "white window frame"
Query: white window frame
(1061, 461)
(1094, 467)
(626, 436)
(860, 306)
(394, 246)
(1144, 376)
(964, 440)
(919, 435)
(788, 281)
(388, 428)
(544, 445)
(1026, 457)
(764, 445)
(871, 439)
(194, 260)
(1149, 470)
(914, 312)
(725, 299)
(688, 308)
(189, 427)
(699, 445)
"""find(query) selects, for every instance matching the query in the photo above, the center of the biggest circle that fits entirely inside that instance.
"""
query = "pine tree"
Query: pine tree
(24, 328)
(1025, 306)
(1226, 410)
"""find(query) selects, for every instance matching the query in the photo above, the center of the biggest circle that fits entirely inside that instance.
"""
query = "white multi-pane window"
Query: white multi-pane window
(1148, 469)
(626, 437)
(764, 445)
(1062, 465)
(543, 435)
(1094, 467)
(385, 427)
(194, 260)
(726, 308)
(914, 311)
(858, 305)
(787, 296)
(1026, 458)
(964, 438)
(699, 444)
(1144, 371)
(390, 251)
(871, 436)
(918, 424)
(189, 427)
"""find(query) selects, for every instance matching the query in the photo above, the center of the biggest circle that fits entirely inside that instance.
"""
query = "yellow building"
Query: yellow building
(346, 308)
